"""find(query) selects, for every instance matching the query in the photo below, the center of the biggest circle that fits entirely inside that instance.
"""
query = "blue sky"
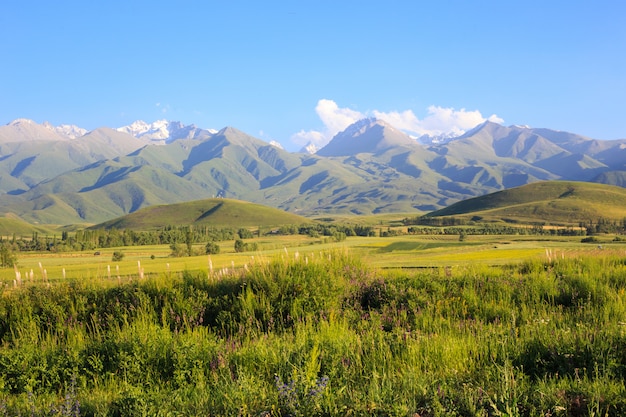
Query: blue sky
(293, 71)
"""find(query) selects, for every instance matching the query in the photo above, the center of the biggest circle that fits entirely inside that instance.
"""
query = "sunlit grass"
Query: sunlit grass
(399, 251)
(321, 333)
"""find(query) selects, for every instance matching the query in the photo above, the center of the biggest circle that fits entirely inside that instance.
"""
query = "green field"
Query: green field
(387, 252)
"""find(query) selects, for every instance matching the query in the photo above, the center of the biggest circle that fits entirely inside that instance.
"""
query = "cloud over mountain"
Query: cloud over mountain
(439, 121)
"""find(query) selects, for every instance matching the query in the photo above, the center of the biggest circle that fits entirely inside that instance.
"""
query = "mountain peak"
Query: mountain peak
(21, 121)
(369, 135)
(20, 130)
(161, 131)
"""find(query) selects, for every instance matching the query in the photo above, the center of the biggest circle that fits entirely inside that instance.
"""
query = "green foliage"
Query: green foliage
(319, 335)
(8, 258)
(245, 233)
(241, 246)
(117, 256)
(212, 248)
(178, 250)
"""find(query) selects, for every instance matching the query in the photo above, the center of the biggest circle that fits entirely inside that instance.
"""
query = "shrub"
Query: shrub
(240, 245)
(212, 248)
(8, 258)
(178, 250)
(245, 234)
(117, 256)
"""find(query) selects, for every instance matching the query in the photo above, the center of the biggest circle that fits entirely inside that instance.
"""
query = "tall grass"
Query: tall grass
(322, 335)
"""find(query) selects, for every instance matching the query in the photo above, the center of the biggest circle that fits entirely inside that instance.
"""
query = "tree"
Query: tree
(189, 240)
(178, 250)
(212, 248)
(245, 233)
(117, 256)
(240, 245)
(8, 258)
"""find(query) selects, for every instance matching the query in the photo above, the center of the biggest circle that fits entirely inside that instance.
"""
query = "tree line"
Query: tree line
(177, 236)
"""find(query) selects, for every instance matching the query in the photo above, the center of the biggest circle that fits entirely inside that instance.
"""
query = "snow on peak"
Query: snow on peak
(71, 131)
(361, 126)
(160, 131)
(309, 148)
(22, 121)
(276, 144)
(28, 129)
(139, 128)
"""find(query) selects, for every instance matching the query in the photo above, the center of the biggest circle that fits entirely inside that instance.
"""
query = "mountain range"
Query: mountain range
(65, 174)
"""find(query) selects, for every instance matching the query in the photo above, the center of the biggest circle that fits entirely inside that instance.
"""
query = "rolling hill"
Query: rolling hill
(552, 202)
(216, 212)
(12, 225)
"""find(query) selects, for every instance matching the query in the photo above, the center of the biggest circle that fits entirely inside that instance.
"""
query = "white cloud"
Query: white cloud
(438, 121)
(335, 120)
(303, 138)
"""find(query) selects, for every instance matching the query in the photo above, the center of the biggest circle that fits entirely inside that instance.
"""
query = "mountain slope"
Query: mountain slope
(366, 136)
(542, 153)
(556, 202)
(26, 163)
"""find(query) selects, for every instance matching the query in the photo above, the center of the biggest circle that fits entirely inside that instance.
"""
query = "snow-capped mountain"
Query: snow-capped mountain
(164, 131)
(25, 130)
(71, 131)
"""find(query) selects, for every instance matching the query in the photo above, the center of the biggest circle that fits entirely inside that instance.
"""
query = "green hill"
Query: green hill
(218, 212)
(552, 202)
(11, 224)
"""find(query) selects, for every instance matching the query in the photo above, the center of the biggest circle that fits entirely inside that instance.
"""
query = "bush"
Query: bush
(178, 250)
(117, 256)
(245, 233)
(8, 258)
(212, 248)
(241, 246)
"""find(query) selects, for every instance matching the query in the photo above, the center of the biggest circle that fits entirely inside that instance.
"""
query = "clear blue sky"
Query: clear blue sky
(276, 68)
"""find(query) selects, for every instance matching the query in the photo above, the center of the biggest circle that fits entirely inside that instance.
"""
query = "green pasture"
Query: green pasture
(407, 251)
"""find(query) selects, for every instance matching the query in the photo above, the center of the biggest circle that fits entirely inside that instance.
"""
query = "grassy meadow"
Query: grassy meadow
(394, 326)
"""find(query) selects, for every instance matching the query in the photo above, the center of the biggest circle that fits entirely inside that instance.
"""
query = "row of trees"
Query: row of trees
(90, 239)
(601, 225)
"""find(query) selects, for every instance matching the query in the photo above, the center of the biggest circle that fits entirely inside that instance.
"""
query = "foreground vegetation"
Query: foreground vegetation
(323, 334)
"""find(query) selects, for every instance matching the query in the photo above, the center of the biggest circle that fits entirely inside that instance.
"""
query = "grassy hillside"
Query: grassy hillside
(218, 212)
(555, 202)
(11, 224)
